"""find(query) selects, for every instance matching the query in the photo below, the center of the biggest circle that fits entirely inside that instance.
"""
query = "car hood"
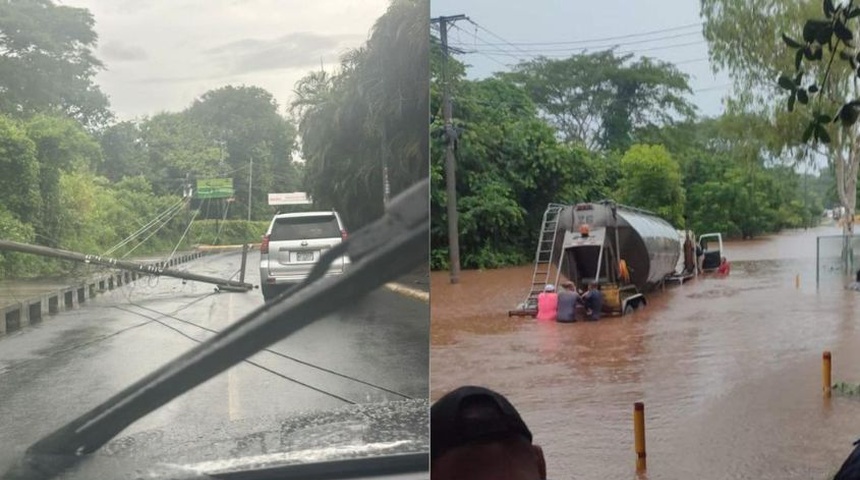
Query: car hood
(186, 452)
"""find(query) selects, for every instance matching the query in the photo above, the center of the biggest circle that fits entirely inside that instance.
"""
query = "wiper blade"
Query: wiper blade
(391, 246)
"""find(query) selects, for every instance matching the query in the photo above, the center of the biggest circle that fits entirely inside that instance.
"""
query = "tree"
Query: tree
(62, 145)
(510, 166)
(732, 183)
(373, 111)
(598, 99)
(177, 148)
(47, 63)
(19, 184)
(651, 179)
(258, 142)
(123, 150)
(834, 84)
(778, 26)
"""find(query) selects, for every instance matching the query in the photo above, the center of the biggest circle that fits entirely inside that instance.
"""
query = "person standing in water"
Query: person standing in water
(593, 301)
(547, 304)
(568, 298)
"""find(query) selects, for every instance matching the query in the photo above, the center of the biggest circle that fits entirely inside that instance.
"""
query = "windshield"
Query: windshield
(305, 228)
(142, 321)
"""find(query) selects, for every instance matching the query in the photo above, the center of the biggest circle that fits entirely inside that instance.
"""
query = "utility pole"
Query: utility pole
(386, 187)
(450, 162)
(250, 179)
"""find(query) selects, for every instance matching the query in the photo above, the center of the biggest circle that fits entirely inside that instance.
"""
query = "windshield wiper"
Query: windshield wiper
(391, 246)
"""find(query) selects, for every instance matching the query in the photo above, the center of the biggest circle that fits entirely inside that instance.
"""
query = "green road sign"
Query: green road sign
(215, 188)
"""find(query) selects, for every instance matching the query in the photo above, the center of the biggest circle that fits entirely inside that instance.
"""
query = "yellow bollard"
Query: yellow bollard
(797, 281)
(825, 374)
(639, 434)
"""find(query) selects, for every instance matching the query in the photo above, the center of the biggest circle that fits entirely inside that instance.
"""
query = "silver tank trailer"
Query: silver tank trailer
(648, 244)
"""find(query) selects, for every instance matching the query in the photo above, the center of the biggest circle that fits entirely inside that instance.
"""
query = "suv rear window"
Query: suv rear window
(305, 228)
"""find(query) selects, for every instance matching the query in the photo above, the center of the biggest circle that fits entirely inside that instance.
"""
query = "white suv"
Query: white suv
(292, 245)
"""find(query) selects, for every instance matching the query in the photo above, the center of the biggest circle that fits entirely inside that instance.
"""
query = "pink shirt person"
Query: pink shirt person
(547, 304)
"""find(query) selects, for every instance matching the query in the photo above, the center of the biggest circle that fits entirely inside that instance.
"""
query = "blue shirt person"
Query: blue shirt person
(593, 301)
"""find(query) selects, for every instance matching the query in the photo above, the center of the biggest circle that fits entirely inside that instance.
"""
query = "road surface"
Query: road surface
(50, 373)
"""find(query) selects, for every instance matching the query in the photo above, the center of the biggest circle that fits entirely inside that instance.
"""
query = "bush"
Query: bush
(227, 232)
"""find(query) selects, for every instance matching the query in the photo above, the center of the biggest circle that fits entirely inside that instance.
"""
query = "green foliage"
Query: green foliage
(227, 232)
(19, 184)
(598, 99)
(220, 135)
(125, 153)
(651, 179)
(176, 146)
(13, 229)
(47, 62)
(712, 175)
(510, 165)
(774, 47)
(247, 121)
(61, 146)
(731, 184)
(373, 111)
(836, 32)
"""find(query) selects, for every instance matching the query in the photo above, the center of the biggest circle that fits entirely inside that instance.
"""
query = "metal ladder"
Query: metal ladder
(544, 255)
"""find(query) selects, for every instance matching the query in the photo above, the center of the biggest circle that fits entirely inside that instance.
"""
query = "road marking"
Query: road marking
(232, 394)
(410, 292)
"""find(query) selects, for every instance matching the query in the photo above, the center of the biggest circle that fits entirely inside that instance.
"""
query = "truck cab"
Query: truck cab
(712, 251)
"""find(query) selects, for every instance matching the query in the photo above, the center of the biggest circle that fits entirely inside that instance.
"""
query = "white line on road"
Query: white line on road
(410, 292)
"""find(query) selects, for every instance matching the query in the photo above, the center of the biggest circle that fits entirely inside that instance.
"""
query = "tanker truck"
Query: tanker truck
(626, 251)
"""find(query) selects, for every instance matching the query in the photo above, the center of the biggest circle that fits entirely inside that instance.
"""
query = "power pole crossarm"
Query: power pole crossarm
(450, 161)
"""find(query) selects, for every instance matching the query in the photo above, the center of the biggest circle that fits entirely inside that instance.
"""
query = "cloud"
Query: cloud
(174, 80)
(119, 52)
(294, 50)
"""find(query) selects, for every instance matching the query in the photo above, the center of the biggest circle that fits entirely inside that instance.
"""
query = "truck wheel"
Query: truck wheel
(628, 309)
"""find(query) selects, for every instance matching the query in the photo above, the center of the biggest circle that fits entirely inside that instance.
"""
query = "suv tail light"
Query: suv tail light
(264, 247)
(343, 234)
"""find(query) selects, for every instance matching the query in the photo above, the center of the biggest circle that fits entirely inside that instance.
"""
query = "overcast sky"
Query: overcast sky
(162, 54)
(509, 30)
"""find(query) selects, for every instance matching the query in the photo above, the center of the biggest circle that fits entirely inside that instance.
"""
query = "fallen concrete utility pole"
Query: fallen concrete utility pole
(230, 285)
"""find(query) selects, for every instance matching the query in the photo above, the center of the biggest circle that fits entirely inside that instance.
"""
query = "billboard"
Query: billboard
(214, 188)
(293, 198)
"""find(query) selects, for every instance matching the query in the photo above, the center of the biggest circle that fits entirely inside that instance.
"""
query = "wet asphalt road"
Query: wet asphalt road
(71, 362)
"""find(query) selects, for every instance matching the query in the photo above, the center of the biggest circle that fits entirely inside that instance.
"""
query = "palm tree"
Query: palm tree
(375, 106)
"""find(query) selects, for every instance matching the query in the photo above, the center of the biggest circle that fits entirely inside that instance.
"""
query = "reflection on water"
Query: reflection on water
(729, 369)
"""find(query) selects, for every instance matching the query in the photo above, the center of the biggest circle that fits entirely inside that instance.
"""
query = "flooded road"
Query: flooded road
(729, 369)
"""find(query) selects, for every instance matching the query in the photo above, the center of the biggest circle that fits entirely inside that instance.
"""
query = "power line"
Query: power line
(493, 34)
(583, 51)
(606, 45)
(481, 42)
(282, 355)
(488, 56)
(619, 37)
(261, 367)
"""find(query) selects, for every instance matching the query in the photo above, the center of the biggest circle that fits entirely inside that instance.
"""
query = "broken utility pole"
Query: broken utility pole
(450, 161)
(6, 245)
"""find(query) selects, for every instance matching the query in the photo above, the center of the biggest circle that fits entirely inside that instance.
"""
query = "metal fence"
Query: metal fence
(830, 263)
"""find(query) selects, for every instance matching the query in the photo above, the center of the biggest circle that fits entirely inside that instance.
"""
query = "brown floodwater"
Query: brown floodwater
(729, 369)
